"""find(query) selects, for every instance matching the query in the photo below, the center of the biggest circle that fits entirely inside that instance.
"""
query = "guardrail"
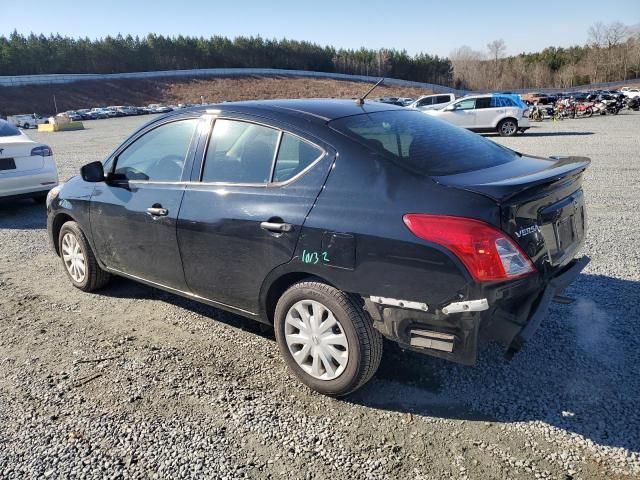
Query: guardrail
(50, 79)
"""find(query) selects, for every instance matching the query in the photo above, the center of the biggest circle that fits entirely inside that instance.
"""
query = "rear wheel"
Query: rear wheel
(507, 127)
(326, 338)
(26, 126)
(78, 259)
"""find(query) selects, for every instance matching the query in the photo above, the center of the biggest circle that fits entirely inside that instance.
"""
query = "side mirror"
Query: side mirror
(92, 172)
(449, 108)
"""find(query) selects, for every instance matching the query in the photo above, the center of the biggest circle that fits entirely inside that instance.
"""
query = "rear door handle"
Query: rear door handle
(157, 211)
(276, 227)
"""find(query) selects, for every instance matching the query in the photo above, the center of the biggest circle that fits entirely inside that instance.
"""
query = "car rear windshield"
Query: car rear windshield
(8, 130)
(423, 144)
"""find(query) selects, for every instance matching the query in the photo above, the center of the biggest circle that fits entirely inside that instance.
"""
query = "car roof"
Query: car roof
(320, 110)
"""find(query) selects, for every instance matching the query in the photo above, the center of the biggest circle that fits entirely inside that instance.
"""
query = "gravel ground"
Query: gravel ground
(180, 390)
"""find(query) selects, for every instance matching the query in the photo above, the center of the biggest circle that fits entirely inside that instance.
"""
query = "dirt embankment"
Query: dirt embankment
(40, 98)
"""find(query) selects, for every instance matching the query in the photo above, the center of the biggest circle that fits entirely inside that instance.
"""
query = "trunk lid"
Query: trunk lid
(541, 204)
(15, 155)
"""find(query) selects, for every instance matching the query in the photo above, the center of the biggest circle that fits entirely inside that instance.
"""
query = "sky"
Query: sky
(435, 27)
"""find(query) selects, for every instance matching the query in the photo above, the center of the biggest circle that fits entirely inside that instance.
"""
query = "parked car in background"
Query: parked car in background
(631, 92)
(159, 108)
(72, 115)
(27, 120)
(429, 102)
(101, 113)
(27, 168)
(293, 213)
(399, 101)
(486, 113)
(128, 111)
(87, 114)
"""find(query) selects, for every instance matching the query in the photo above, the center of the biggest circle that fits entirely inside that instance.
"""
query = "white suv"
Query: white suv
(486, 113)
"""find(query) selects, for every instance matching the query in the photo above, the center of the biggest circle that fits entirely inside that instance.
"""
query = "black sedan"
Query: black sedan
(336, 222)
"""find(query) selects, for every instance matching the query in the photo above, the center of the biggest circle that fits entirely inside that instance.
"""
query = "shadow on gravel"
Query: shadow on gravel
(580, 373)
(22, 214)
(124, 288)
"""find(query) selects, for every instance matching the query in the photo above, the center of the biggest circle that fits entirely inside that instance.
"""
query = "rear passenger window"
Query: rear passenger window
(443, 99)
(294, 156)
(240, 152)
(485, 102)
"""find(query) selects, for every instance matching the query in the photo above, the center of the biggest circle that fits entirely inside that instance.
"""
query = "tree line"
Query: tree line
(612, 53)
(37, 54)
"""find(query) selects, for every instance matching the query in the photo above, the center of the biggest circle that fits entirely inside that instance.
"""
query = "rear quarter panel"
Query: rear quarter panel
(355, 237)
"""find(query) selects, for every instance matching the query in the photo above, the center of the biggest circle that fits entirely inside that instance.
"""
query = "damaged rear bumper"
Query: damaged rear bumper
(556, 285)
(508, 313)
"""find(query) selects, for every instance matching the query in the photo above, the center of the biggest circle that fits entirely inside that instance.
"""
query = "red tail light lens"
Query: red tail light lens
(488, 254)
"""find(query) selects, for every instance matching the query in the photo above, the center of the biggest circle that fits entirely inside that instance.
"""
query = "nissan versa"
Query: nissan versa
(338, 222)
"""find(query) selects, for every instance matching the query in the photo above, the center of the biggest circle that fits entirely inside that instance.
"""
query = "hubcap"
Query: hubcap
(73, 257)
(316, 340)
(508, 127)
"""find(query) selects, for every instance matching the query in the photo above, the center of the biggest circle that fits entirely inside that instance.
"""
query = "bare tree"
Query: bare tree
(615, 33)
(497, 49)
(596, 35)
(466, 63)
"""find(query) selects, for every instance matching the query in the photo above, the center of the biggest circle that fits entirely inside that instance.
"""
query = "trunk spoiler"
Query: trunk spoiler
(505, 181)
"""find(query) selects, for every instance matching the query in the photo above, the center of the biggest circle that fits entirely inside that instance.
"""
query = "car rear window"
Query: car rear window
(8, 130)
(423, 144)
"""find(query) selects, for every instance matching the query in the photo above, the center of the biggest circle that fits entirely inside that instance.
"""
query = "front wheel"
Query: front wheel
(78, 259)
(507, 127)
(326, 338)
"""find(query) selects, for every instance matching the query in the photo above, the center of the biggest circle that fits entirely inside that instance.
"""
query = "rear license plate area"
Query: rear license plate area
(565, 233)
(7, 164)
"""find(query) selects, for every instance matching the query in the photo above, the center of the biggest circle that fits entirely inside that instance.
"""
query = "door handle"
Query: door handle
(276, 227)
(157, 211)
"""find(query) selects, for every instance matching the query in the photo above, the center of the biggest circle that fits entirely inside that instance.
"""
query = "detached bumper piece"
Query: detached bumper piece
(413, 326)
(539, 310)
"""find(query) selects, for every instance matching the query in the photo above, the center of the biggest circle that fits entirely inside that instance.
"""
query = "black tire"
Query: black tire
(26, 126)
(95, 277)
(507, 127)
(364, 342)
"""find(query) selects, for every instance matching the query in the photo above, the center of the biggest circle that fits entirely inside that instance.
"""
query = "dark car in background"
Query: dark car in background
(336, 222)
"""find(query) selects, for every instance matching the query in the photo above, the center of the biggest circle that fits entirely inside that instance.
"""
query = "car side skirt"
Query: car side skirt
(189, 295)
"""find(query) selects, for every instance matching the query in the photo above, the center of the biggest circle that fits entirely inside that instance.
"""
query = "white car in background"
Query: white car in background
(500, 113)
(430, 102)
(27, 168)
(630, 92)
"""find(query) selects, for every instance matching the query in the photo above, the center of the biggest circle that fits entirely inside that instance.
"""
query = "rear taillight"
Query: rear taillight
(525, 113)
(42, 151)
(488, 254)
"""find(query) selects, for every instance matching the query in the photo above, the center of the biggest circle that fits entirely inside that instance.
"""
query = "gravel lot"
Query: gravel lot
(185, 391)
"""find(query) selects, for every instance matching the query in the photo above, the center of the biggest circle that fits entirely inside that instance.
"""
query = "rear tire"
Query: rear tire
(326, 338)
(78, 259)
(507, 127)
